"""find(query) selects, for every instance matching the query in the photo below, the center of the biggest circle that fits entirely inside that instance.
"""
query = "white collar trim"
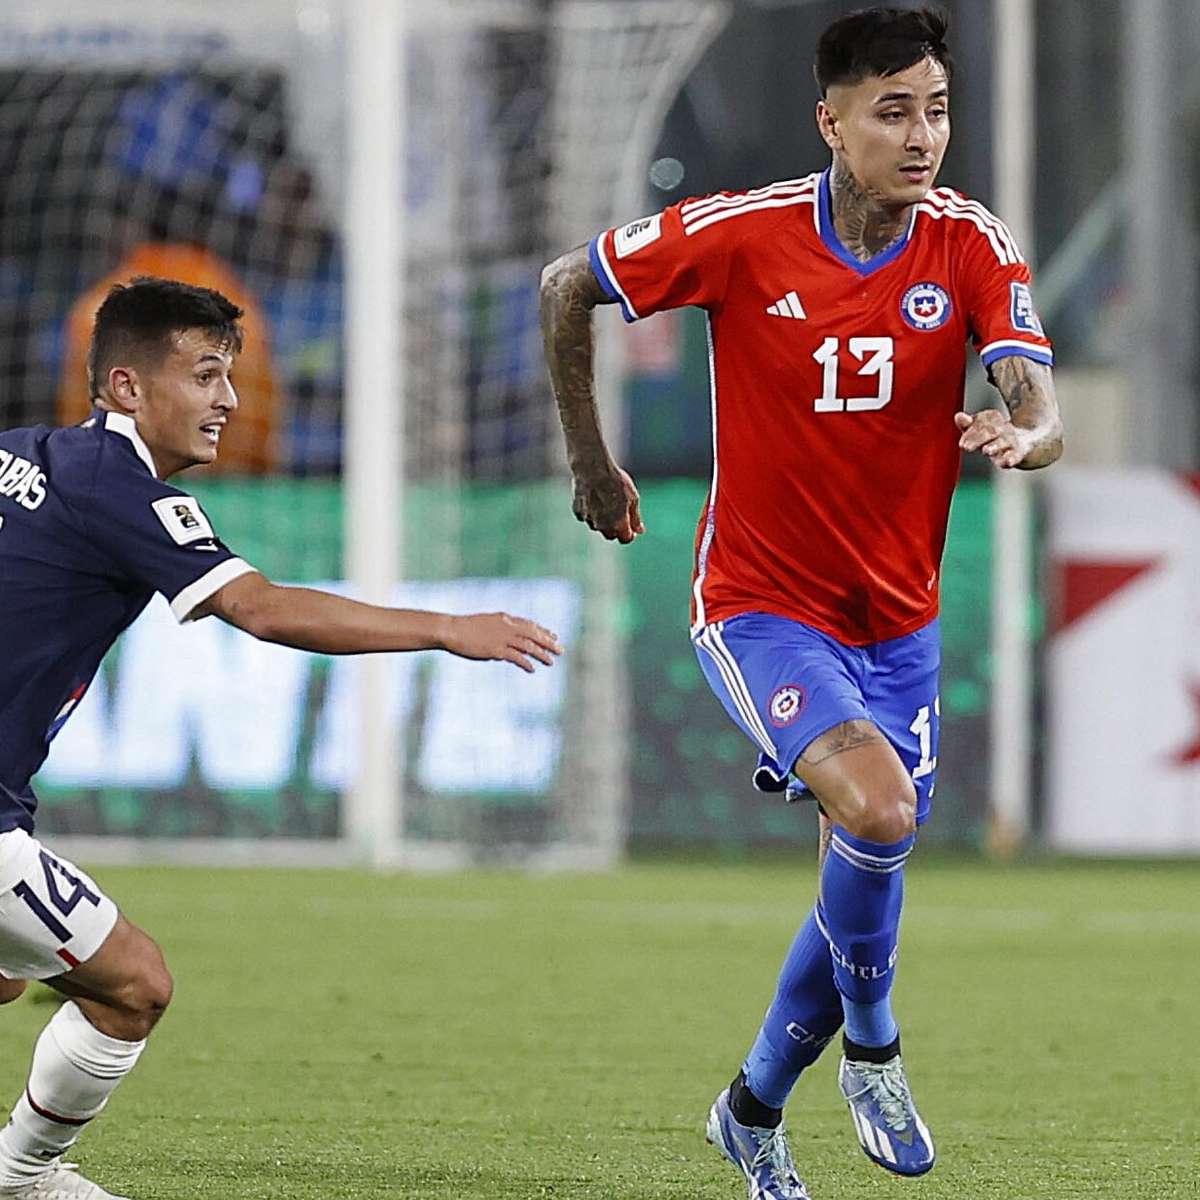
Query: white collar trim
(124, 425)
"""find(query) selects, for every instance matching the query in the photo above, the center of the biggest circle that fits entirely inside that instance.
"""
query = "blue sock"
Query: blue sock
(871, 1024)
(803, 1017)
(862, 890)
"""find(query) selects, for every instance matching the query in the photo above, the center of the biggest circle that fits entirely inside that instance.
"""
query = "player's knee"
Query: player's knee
(891, 822)
(882, 815)
(145, 998)
(155, 994)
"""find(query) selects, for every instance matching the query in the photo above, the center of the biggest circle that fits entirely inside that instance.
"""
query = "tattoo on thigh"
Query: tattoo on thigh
(823, 845)
(847, 736)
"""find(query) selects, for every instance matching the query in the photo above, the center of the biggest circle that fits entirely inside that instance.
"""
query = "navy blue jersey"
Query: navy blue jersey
(88, 533)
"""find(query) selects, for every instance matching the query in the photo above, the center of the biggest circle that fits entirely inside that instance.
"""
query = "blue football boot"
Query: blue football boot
(761, 1154)
(886, 1120)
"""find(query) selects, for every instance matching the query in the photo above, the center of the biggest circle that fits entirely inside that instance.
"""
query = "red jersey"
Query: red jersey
(834, 388)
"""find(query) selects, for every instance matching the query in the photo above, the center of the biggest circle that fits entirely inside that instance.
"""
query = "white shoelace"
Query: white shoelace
(774, 1152)
(889, 1088)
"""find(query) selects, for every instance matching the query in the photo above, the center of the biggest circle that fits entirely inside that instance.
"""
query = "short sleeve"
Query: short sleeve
(668, 260)
(999, 299)
(160, 538)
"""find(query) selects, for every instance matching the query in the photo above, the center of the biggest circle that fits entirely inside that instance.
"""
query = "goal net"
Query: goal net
(209, 143)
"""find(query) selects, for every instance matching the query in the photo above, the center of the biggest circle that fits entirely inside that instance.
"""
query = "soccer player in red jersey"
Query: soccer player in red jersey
(839, 310)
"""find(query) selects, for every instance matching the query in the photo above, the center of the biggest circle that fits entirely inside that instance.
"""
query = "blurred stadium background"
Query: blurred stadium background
(378, 182)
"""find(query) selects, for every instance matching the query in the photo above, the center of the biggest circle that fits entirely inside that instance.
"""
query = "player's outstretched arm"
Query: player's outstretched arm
(1032, 436)
(320, 621)
(605, 497)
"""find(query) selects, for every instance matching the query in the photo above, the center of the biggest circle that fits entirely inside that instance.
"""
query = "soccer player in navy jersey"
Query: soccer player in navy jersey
(89, 531)
(839, 306)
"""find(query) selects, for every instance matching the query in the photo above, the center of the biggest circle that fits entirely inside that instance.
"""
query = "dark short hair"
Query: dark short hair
(139, 318)
(880, 41)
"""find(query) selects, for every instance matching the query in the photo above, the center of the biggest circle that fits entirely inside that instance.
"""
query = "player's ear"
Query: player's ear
(827, 124)
(124, 387)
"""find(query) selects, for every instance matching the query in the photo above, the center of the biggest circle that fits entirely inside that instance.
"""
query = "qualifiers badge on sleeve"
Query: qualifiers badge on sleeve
(787, 703)
(632, 237)
(183, 519)
(1024, 315)
(926, 306)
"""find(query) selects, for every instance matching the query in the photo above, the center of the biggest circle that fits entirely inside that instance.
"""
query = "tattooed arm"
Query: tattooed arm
(1032, 436)
(604, 495)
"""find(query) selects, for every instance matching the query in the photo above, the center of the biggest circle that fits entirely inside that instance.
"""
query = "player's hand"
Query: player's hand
(609, 504)
(994, 435)
(499, 636)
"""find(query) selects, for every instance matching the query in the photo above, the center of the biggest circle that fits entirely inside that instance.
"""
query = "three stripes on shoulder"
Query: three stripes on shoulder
(938, 204)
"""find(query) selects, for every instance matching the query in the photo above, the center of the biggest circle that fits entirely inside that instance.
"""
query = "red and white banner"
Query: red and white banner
(1124, 662)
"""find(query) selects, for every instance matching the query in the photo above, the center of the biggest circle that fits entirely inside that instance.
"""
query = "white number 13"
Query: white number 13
(880, 363)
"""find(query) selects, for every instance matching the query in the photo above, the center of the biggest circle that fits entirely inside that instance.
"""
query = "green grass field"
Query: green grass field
(496, 1036)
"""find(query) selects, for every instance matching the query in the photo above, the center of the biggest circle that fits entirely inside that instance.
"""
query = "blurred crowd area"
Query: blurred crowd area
(191, 173)
(141, 148)
(202, 163)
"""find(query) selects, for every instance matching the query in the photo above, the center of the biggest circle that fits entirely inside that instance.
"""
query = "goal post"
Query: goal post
(375, 393)
(1011, 759)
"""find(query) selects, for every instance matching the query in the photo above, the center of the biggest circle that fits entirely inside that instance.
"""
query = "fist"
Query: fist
(609, 503)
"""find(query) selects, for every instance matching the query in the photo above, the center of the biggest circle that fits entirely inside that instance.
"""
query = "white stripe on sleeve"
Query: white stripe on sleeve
(995, 350)
(207, 585)
(612, 277)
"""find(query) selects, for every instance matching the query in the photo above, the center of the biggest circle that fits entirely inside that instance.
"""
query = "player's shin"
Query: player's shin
(75, 1070)
(862, 890)
(803, 1017)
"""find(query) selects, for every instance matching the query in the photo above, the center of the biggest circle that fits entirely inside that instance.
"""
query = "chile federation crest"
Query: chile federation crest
(786, 704)
(926, 306)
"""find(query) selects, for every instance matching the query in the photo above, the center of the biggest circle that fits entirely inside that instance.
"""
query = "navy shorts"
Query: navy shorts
(785, 683)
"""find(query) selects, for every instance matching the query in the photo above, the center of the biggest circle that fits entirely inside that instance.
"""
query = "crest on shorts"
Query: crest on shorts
(787, 703)
(926, 306)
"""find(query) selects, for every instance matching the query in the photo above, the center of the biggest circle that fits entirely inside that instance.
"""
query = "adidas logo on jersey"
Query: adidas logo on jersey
(789, 306)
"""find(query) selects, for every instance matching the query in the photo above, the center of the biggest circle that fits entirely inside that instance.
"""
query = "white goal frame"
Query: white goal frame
(1011, 782)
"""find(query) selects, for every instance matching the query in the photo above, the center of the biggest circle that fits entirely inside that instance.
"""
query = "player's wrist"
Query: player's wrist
(443, 631)
(593, 470)
(1026, 443)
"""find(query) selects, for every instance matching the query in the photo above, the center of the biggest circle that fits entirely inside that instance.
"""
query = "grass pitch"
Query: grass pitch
(484, 1035)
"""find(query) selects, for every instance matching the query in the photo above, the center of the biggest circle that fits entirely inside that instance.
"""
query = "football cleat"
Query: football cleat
(761, 1154)
(887, 1122)
(60, 1182)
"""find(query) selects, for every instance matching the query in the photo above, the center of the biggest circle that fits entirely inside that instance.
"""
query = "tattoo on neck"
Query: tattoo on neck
(865, 228)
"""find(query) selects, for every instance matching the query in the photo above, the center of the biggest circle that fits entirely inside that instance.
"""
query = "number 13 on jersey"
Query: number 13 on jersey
(875, 354)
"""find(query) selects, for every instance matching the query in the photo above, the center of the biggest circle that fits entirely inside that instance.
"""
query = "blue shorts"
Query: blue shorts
(785, 683)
